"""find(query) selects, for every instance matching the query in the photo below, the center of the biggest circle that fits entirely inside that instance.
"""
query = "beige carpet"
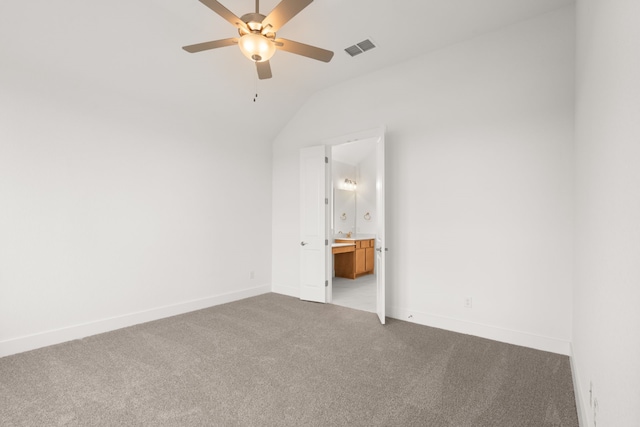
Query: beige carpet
(273, 360)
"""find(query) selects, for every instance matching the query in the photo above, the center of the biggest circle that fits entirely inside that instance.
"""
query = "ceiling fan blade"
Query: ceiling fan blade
(225, 13)
(264, 70)
(210, 45)
(283, 12)
(304, 50)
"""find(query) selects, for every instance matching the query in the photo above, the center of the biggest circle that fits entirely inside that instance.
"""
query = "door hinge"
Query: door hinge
(326, 201)
(326, 283)
(326, 160)
(326, 242)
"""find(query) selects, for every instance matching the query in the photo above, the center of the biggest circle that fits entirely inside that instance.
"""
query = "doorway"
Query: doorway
(354, 221)
(318, 244)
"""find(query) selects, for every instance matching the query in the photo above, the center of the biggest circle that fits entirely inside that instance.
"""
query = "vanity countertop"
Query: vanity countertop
(355, 237)
(340, 245)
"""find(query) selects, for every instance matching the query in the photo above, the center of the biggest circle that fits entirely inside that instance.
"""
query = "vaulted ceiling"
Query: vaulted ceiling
(133, 48)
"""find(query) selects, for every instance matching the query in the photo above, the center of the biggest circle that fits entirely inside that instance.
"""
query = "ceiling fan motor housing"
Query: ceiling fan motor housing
(254, 22)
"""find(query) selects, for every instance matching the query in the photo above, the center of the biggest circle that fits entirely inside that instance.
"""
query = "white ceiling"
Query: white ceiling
(134, 48)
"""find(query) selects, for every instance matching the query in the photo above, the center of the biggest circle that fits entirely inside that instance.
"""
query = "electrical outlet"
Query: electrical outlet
(468, 302)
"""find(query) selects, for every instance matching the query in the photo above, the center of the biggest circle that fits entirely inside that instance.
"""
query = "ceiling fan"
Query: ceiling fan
(257, 39)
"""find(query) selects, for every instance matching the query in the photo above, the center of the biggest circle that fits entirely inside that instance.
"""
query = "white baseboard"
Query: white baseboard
(286, 290)
(524, 339)
(57, 336)
(581, 405)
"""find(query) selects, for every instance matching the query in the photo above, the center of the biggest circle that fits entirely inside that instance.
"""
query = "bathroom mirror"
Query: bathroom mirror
(353, 173)
(344, 211)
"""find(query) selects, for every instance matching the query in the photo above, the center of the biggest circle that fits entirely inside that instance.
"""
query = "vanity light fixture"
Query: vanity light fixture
(349, 185)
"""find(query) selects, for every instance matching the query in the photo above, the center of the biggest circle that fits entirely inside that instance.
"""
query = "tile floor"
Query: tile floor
(359, 293)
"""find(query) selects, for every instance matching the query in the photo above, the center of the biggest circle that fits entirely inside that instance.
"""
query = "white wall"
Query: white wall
(479, 154)
(115, 210)
(606, 331)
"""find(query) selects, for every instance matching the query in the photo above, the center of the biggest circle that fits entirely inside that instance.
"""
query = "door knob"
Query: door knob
(379, 249)
(303, 243)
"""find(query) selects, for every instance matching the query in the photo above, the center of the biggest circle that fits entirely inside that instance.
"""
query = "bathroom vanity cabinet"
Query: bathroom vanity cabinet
(353, 257)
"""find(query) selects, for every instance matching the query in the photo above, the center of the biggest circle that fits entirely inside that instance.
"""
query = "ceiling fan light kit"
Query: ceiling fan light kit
(256, 47)
(258, 35)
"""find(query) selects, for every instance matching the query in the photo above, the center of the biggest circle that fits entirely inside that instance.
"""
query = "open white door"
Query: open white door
(380, 233)
(314, 215)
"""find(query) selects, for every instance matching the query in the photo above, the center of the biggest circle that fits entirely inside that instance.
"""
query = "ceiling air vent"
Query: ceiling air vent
(361, 47)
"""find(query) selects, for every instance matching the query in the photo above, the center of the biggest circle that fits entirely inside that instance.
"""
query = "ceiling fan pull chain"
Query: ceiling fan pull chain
(255, 97)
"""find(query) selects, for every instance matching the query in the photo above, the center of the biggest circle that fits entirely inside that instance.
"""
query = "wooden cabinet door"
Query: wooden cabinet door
(361, 266)
(369, 260)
